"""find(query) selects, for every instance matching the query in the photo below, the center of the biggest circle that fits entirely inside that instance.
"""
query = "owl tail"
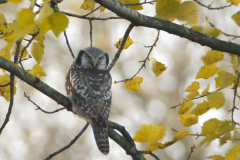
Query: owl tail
(101, 137)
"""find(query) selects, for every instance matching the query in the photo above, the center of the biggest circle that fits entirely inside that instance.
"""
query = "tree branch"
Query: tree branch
(69, 145)
(141, 20)
(12, 77)
(130, 27)
(35, 82)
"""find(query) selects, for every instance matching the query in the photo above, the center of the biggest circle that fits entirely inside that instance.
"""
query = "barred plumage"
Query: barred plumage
(88, 86)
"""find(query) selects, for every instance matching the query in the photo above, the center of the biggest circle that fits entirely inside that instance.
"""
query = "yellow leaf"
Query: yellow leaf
(224, 139)
(188, 12)
(5, 52)
(234, 137)
(212, 57)
(227, 80)
(201, 108)
(37, 51)
(15, 1)
(88, 5)
(128, 43)
(205, 91)
(5, 91)
(207, 71)
(216, 99)
(188, 119)
(216, 157)
(3, 23)
(236, 18)
(192, 94)
(225, 127)
(45, 11)
(24, 23)
(37, 71)
(8, 33)
(193, 87)
(185, 107)
(219, 78)
(32, 5)
(133, 84)
(57, 22)
(236, 2)
(102, 9)
(133, 7)
(150, 133)
(233, 153)
(181, 134)
(166, 9)
(157, 67)
(210, 127)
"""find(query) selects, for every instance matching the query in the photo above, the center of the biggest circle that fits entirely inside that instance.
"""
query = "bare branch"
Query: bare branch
(145, 2)
(39, 108)
(69, 145)
(144, 61)
(67, 42)
(130, 27)
(210, 8)
(90, 22)
(192, 150)
(12, 77)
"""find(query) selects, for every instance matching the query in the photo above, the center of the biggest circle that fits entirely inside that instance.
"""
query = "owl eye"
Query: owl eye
(88, 58)
(100, 59)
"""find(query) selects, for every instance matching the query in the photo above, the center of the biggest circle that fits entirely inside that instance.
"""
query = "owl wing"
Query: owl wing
(90, 90)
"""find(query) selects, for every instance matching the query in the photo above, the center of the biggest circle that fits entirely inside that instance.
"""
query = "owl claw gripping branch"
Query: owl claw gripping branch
(88, 85)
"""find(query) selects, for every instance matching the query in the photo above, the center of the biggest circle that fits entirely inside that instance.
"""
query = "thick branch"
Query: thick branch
(35, 82)
(128, 147)
(141, 20)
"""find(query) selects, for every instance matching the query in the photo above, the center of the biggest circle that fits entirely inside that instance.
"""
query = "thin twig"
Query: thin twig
(145, 2)
(12, 77)
(130, 27)
(90, 22)
(69, 145)
(143, 61)
(4, 85)
(151, 153)
(196, 97)
(90, 18)
(192, 150)
(39, 108)
(91, 11)
(234, 98)
(226, 34)
(29, 42)
(210, 8)
(65, 35)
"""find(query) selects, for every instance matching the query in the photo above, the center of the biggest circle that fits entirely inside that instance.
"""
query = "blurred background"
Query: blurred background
(32, 134)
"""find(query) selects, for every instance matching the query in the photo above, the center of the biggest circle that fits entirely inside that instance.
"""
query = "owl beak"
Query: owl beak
(94, 64)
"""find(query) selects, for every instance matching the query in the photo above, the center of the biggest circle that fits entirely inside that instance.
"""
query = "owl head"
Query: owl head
(92, 58)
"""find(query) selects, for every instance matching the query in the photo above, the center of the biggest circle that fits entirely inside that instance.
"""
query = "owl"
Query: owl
(88, 85)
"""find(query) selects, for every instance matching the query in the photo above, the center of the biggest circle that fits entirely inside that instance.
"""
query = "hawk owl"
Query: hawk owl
(88, 85)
